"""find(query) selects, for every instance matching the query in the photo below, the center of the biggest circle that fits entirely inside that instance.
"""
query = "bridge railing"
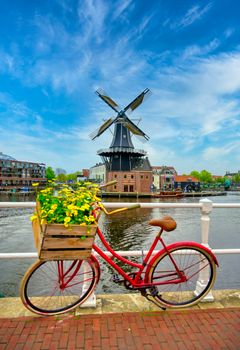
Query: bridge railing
(205, 205)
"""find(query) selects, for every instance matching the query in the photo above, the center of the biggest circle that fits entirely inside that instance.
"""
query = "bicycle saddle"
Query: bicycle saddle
(166, 223)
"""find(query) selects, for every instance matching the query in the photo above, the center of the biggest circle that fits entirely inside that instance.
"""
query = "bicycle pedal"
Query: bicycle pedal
(153, 291)
(116, 279)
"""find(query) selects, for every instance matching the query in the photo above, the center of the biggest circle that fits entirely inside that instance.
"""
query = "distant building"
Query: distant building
(83, 175)
(97, 173)
(186, 183)
(230, 175)
(18, 174)
(163, 177)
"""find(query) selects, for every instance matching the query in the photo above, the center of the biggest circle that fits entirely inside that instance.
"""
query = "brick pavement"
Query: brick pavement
(188, 329)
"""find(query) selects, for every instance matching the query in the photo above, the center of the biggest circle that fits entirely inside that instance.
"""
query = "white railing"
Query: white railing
(205, 205)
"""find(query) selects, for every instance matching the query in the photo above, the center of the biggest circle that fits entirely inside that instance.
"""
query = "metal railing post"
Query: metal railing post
(91, 301)
(206, 210)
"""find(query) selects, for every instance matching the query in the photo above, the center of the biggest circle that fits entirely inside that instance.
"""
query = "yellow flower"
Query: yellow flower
(35, 184)
(34, 217)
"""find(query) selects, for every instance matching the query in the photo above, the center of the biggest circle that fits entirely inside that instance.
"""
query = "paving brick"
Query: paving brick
(192, 329)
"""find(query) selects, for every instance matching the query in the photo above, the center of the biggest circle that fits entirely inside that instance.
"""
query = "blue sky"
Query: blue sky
(55, 54)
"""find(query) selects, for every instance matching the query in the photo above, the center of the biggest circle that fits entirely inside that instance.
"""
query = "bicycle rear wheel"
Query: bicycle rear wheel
(43, 290)
(198, 267)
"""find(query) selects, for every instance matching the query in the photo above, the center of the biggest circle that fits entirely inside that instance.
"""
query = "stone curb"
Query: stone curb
(122, 303)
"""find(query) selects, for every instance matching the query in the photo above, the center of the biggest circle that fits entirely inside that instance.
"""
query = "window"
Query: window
(115, 187)
(147, 177)
(125, 176)
(115, 176)
(131, 188)
(141, 176)
(132, 177)
(125, 189)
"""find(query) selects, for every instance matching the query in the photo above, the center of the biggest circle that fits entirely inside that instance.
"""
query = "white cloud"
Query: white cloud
(192, 15)
(120, 8)
(92, 15)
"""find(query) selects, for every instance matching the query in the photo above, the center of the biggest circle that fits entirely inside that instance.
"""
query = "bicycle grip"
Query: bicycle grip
(134, 206)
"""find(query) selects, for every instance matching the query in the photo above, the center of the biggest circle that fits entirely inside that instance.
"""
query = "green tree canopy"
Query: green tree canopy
(236, 178)
(62, 177)
(50, 173)
(73, 176)
(196, 174)
(205, 176)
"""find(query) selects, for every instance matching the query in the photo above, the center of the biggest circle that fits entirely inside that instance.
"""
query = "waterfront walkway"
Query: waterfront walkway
(206, 326)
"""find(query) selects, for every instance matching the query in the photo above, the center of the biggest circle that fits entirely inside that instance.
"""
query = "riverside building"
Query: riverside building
(18, 175)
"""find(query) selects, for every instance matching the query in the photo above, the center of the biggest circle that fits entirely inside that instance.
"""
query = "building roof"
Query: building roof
(163, 168)
(143, 165)
(6, 157)
(185, 178)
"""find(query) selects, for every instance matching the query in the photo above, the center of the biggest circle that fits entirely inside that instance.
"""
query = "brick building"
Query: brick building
(17, 174)
(139, 179)
(163, 177)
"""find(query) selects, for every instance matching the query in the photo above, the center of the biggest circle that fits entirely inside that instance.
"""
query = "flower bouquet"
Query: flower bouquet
(64, 224)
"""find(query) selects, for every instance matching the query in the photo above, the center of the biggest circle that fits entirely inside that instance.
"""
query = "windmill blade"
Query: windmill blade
(135, 130)
(102, 128)
(137, 101)
(109, 101)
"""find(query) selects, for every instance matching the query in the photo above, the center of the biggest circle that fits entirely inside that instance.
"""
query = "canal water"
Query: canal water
(128, 231)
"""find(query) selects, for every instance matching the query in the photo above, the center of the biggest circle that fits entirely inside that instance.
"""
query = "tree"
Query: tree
(62, 177)
(195, 174)
(50, 173)
(205, 176)
(236, 178)
(73, 176)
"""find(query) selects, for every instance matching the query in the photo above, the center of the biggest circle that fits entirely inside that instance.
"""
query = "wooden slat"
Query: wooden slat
(57, 229)
(59, 243)
(64, 255)
(37, 235)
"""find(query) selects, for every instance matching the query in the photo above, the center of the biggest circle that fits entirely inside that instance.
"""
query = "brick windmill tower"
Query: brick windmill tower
(129, 166)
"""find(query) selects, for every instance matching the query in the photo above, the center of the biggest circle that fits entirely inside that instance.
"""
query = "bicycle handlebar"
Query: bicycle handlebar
(134, 206)
(108, 184)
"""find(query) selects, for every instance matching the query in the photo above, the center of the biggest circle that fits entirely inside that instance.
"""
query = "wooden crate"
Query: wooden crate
(56, 242)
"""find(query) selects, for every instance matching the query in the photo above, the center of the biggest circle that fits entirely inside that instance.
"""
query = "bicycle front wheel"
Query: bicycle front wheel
(198, 268)
(55, 287)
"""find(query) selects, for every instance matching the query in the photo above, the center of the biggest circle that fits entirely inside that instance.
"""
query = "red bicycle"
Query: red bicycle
(178, 275)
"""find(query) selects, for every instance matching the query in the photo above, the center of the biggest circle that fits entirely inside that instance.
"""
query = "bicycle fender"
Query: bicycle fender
(177, 245)
(198, 245)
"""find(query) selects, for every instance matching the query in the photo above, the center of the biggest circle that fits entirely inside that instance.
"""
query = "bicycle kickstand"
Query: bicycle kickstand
(153, 293)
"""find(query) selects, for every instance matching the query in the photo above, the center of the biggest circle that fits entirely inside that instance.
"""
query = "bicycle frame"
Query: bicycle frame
(137, 282)
(175, 276)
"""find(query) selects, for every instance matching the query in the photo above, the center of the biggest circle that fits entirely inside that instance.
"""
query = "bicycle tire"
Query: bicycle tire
(40, 288)
(194, 261)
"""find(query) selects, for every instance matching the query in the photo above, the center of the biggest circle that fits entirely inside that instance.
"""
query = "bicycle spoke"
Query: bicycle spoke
(194, 264)
(44, 293)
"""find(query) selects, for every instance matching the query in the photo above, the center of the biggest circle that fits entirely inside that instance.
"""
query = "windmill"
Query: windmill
(121, 156)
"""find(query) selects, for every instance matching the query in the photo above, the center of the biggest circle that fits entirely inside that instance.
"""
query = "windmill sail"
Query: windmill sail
(135, 129)
(137, 101)
(102, 128)
(109, 101)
